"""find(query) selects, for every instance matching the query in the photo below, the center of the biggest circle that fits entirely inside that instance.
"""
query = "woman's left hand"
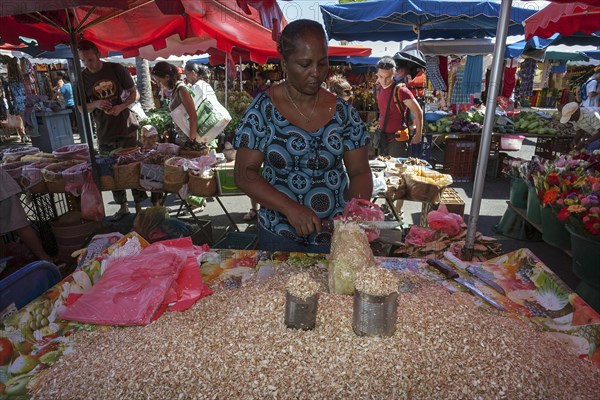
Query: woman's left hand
(416, 139)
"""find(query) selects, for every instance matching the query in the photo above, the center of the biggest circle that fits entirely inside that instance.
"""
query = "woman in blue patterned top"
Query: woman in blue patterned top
(314, 148)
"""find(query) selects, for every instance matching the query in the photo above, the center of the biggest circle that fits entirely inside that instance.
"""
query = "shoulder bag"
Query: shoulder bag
(212, 117)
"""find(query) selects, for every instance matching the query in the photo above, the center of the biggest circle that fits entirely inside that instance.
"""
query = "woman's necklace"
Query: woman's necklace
(296, 106)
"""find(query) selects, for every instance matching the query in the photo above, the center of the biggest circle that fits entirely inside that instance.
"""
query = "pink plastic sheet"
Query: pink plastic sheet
(131, 291)
(189, 287)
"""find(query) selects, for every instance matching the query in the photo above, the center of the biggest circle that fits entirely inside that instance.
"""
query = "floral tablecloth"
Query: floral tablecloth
(35, 338)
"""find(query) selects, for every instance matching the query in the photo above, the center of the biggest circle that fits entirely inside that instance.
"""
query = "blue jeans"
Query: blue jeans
(270, 241)
(595, 145)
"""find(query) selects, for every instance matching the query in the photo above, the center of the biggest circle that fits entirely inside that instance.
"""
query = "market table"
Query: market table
(201, 355)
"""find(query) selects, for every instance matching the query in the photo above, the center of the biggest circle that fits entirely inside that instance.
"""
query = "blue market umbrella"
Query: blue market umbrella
(419, 19)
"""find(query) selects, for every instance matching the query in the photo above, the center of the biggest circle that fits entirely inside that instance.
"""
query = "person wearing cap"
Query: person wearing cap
(149, 137)
(587, 123)
(394, 115)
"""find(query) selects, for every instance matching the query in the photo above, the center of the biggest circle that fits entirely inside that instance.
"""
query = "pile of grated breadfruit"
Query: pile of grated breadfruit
(350, 252)
(234, 345)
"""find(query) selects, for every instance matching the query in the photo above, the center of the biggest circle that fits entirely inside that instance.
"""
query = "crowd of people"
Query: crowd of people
(315, 157)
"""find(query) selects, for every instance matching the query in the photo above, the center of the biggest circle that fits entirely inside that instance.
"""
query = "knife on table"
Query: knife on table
(452, 274)
(329, 224)
(471, 269)
(474, 271)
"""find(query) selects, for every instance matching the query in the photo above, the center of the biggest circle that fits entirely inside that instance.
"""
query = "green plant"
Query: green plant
(160, 118)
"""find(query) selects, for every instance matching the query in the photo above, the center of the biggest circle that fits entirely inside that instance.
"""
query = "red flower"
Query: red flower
(563, 215)
(550, 196)
(593, 226)
(553, 178)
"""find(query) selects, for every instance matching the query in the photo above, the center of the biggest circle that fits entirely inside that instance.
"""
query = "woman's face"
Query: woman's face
(191, 76)
(308, 66)
(161, 81)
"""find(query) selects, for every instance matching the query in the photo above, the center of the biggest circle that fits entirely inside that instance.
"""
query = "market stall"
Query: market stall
(557, 197)
(226, 348)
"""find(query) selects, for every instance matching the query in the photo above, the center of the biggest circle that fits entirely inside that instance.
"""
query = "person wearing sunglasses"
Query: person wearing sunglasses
(313, 145)
(339, 86)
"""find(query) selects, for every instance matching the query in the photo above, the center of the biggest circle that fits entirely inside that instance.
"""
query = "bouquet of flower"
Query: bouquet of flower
(571, 186)
(528, 170)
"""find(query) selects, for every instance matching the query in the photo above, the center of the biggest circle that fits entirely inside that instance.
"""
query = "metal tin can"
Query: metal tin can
(300, 313)
(374, 315)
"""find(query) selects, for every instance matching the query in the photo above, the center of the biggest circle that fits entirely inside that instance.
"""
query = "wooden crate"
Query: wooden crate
(458, 159)
(544, 147)
(450, 198)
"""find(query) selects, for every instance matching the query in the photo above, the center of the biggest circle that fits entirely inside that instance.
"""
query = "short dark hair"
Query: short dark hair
(85, 45)
(201, 70)
(163, 69)
(263, 75)
(386, 63)
(286, 45)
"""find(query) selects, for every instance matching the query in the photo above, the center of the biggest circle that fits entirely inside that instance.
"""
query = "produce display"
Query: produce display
(431, 243)
(439, 326)
(413, 179)
(532, 122)
(159, 118)
(193, 145)
(237, 102)
(465, 122)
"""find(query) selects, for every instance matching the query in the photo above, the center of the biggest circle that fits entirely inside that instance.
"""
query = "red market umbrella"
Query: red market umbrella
(564, 18)
(127, 25)
(144, 24)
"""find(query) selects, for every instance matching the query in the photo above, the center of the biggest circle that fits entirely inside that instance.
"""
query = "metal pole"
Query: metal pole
(83, 101)
(488, 124)
(226, 62)
(419, 34)
(241, 87)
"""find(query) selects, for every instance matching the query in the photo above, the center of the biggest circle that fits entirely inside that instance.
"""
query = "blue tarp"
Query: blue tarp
(354, 60)
(536, 43)
(435, 19)
(595, 54)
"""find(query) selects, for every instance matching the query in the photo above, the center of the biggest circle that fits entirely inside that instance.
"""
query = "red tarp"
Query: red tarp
(221, 22)
(217, 57)
(563, 18)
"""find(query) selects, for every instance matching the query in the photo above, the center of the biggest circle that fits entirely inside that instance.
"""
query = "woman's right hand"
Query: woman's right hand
(304, 220)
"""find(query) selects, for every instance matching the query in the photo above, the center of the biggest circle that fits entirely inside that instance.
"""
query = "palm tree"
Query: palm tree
(144, 85)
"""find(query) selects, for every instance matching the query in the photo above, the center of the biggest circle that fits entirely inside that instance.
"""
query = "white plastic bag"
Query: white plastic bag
(212, 116)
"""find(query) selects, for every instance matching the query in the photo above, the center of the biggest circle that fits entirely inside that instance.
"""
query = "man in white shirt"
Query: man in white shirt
(587, 122)
(593, 91)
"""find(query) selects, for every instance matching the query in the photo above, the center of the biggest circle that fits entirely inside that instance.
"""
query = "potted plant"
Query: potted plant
(574, 193)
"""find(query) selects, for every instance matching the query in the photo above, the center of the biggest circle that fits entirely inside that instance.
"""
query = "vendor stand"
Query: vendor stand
(541, 346)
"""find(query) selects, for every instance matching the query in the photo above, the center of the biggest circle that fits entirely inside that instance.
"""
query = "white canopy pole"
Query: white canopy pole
(241, 88)
(488, 124)
(226, 62)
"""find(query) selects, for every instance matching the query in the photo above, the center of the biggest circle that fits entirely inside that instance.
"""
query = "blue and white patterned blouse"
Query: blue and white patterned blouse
(306, 166)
